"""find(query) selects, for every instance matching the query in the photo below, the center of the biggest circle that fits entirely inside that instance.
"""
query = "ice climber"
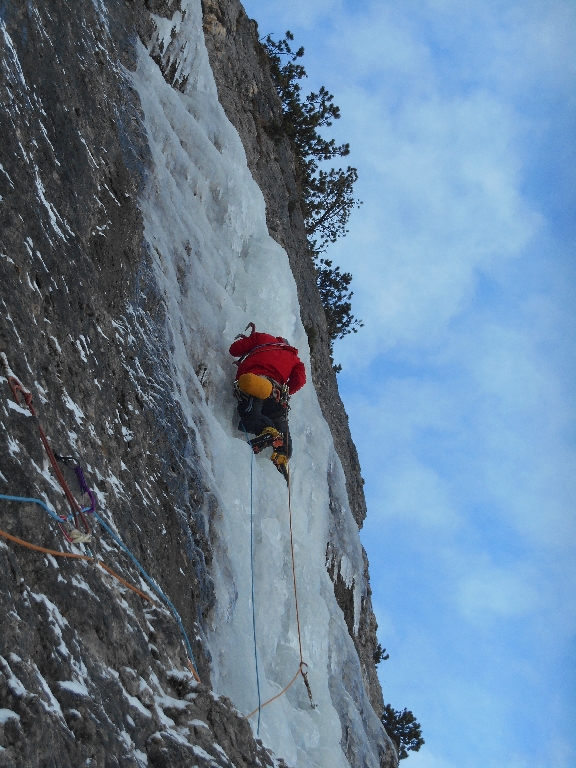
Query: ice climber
(269, 371)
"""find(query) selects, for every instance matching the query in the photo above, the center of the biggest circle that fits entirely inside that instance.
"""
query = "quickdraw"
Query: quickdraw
(74, 465)
(281, 393)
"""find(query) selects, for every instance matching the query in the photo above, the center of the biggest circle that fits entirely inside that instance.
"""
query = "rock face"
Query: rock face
(90, 673)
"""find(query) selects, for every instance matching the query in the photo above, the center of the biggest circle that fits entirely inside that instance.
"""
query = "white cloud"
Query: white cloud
(416, 494)
(392, 413)
(279, 15)
(494, 592)
(441, 184)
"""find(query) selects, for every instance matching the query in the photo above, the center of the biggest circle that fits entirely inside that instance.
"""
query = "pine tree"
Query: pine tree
(403, 729)
(380, 655)
(327, 197)
(335, 294)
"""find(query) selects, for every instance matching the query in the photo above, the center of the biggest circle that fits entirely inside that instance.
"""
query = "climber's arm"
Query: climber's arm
(297, 378)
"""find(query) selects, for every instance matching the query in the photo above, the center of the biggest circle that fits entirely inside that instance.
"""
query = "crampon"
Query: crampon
(280, 461)
(268, 437)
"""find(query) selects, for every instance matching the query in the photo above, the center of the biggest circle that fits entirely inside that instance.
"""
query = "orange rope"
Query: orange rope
(76, 557)
(126, 583)
(294, 570)
(43, 549)
(277, 695)
(194, 673)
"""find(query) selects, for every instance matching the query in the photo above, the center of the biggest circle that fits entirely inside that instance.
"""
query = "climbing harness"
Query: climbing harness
(280, 393)
(303, 667)
(73, 463)
(78, 513)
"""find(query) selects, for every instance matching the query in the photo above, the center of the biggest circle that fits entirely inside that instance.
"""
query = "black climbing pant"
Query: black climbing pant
(256, 415)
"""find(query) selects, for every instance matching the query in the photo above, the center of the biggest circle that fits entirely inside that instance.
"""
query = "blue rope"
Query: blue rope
(153, 584)
(52, 514)
(121, 544)
(252, 574)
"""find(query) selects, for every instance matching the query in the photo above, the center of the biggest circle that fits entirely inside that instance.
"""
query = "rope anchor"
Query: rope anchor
(18, 388)
(307, 684)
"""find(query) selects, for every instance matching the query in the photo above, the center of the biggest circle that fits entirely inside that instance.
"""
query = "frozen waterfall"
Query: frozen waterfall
(219, 269)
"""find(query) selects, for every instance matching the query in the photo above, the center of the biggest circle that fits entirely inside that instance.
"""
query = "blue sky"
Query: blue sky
(460, 387)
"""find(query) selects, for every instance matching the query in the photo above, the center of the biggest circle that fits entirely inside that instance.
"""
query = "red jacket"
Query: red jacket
(274, 358)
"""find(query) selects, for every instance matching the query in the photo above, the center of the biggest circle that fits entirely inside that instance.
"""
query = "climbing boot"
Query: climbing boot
(280, 461)
(268, 436)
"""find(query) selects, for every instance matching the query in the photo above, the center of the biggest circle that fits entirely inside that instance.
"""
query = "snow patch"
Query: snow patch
(14, 60)
(18, 408)
(75, 686)
(7, 714)
(198, 724)
(81, 584)
(199, 752)
(56, 344)
(45, 472)
(53, 215)
(127, 434)
(13, 446)
(14, 684)
(55, 619)
(52, 705)
(71, 405)
(141, 757)
(41, 391)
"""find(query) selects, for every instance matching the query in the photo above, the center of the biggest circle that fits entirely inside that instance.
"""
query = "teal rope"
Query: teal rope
(253, 603)
(121, 544)
(252, 574)
(154, 586)
(44, 506)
